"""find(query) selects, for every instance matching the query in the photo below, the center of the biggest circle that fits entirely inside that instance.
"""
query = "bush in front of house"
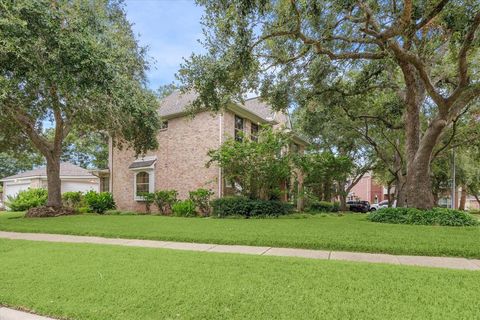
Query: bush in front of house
(148, 198)
(201, 199)
(435, 216)
(242, 206)
(164, 200)
(185, 208)
(99, 202)
(72, 199)
(27, 199)
(324, 206)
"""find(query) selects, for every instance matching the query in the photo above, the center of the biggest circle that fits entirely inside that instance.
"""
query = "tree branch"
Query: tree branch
(436, 10)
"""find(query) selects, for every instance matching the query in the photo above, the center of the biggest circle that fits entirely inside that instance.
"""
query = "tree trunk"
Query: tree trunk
(463, 199)
(435, 197)
(400, 191)
(343, 201)
(53, 181)
(342, 195)
(419, 185)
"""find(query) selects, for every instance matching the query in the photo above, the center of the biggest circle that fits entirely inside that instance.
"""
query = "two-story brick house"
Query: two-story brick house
(180, 161)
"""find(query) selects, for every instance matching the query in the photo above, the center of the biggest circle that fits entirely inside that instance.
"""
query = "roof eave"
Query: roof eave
(243, 112)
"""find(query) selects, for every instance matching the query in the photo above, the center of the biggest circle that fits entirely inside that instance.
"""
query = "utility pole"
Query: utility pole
(453, 180)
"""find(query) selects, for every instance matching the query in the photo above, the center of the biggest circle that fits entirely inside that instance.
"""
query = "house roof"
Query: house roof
(66, 169)
(141, 164)
(176, 104)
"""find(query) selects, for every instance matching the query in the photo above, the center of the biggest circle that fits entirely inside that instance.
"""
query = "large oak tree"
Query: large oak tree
(77, 65)
(276, 44)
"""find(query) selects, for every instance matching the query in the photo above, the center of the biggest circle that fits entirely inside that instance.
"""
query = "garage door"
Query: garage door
(12, 189)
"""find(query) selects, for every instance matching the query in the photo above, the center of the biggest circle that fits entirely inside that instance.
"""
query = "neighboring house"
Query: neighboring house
(73, 178)
(184, 141)
(368, 189)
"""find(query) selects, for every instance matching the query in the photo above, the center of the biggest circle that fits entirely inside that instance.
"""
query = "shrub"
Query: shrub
(269, 208)
(164, 200)
(184, 208)
(148, 199)
(436, 216)
(241, 206)
(201, 199)
(324, 206)
(83, 210)
(27, 199)
(99, 202)
(231, 206)
(72, 199)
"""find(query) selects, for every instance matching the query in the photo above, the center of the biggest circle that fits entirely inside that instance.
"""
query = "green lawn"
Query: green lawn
(351, 232)
(83, 281)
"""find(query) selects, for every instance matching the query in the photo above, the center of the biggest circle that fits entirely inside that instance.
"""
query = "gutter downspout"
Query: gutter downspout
(110, 165)
(220, 141)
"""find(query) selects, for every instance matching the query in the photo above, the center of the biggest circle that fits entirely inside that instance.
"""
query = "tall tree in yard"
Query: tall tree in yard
(77, 65)
(433, 44)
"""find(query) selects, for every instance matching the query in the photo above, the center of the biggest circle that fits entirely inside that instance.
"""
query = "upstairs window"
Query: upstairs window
(142, 183)
(239, 128)
(254, 132)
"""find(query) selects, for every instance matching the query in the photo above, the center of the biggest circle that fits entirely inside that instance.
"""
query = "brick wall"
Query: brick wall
(181, 159)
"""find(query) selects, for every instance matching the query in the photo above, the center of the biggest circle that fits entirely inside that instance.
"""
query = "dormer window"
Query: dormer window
(239, 128)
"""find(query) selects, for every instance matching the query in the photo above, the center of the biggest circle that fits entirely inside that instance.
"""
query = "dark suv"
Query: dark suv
(359, 206)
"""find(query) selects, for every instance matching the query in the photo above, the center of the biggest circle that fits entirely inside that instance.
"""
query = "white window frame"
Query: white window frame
(151, 177)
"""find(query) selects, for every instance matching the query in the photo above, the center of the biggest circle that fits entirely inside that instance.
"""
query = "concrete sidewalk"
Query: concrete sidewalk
(11, 314)
(436, 262)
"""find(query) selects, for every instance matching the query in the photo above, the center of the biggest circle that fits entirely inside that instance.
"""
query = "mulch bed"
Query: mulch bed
(43, 212)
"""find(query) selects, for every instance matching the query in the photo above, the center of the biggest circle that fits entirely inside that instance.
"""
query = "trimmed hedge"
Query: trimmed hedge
(436, 216)
(241, 206)
(324, 206)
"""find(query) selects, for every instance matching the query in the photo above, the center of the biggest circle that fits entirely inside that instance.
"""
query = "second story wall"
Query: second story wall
(180, 160)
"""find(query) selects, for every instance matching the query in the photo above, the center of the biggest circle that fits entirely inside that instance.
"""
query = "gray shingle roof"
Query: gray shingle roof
(141, 164)
(176, 103)
(66, 169)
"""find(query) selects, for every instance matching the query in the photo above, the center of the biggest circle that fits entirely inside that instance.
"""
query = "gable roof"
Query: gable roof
(176, 104)
(66, 169)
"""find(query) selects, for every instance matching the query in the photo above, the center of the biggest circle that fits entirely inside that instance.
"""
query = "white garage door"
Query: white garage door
(82, 186)
(12, 189)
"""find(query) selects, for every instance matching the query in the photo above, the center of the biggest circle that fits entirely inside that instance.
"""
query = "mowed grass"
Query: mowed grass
(351, 232)
(84, 281)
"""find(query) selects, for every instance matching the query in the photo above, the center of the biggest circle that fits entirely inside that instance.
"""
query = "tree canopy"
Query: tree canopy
(295, 50)
(77, 65)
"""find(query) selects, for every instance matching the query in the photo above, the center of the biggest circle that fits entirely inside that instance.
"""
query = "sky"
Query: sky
(170, 29)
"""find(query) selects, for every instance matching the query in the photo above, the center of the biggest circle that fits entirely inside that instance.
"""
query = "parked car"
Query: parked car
(381, 205)
(358, 206)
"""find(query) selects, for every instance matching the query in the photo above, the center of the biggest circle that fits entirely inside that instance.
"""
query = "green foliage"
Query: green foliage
(436, 216)
(201, 199)
(99, 202)
(164, 200)
(148, 198)
(324, 206)
(12, 163)
(75, 65)
(27, 199)
(72, 199)
(86, 149)
(185, 208)
(255, 169)
(242, 206)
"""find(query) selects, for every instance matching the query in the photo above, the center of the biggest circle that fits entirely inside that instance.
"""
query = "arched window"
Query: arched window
(142, 183)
